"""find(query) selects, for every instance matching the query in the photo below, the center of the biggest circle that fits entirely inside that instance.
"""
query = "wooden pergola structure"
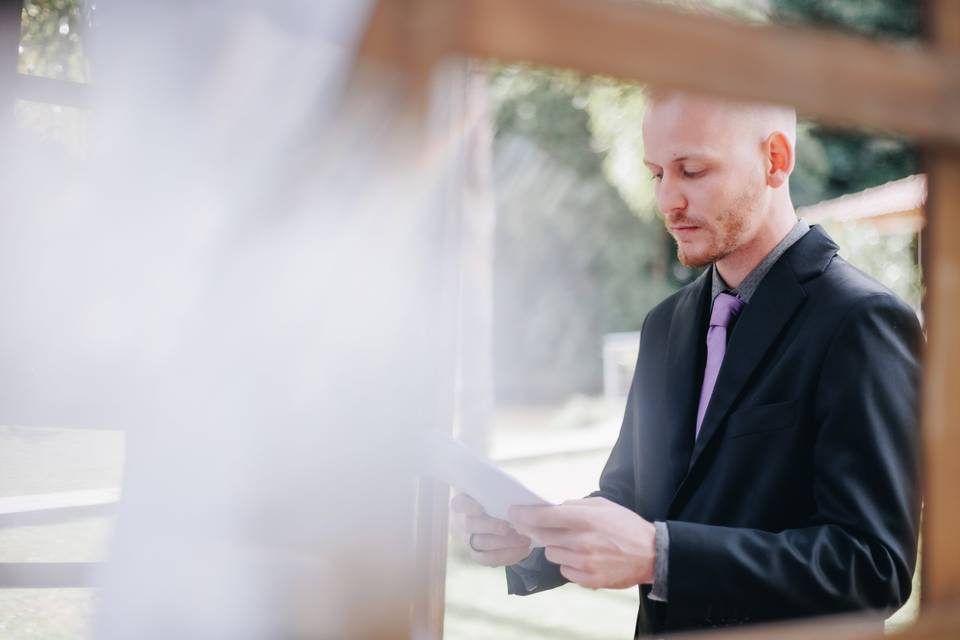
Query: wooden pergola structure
(836, 78)
(894, 207)
(832, 77)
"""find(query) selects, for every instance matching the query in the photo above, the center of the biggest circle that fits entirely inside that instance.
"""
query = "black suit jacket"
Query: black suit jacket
(801, 495)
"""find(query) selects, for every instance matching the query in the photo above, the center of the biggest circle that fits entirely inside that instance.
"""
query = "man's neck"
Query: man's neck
(736, 266)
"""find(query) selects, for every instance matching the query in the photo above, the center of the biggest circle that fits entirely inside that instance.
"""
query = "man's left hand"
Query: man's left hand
(597, 543)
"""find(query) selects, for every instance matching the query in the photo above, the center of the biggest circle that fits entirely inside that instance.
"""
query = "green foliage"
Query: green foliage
(887, 19)
(573, 261)
(838, 162)
(51, 39)
(545, 106)
(616, 117)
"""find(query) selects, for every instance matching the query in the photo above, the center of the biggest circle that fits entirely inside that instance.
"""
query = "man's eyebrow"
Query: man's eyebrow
(683, 158)
(694, 156)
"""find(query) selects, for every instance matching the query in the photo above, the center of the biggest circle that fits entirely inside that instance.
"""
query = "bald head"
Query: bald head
(722, 172)
(750, 122)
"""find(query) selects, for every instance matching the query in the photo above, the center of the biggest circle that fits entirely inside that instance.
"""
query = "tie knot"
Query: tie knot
(725, 307)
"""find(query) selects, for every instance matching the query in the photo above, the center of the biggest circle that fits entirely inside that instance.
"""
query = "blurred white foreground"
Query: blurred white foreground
(249, 273)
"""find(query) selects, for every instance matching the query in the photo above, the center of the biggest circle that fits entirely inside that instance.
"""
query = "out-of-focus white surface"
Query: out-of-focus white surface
(246, 273)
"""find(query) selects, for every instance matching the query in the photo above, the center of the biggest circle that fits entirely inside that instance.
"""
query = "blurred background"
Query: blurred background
(564, 254)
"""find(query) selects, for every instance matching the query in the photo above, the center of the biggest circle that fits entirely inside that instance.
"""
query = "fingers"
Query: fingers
(564, 516)
(462, 503)
(593, 501)
(568, 539)
(495, 542)
(482, 523)
(580, 577)
(499, 558)
(488, 542)
(566, 558)
(486, 524)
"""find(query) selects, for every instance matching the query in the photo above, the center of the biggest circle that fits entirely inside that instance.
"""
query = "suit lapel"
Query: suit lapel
(685, 355)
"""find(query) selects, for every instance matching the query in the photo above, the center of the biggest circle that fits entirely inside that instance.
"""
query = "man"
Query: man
(767, 463)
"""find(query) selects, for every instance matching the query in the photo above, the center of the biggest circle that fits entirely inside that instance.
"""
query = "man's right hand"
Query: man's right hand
(495, 542)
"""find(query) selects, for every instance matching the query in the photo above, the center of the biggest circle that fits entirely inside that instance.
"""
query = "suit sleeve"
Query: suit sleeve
(859, 551)
(617, 483)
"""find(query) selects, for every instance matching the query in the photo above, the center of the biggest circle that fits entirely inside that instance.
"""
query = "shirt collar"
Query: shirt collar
(750, 283)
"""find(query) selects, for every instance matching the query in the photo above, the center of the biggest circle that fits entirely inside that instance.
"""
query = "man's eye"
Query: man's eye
(694, 174)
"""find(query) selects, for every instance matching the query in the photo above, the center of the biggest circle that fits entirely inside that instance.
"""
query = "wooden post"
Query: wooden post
(941, 402)
(406, 40)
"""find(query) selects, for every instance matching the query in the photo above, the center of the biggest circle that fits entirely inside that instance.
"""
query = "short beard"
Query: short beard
(731, 225)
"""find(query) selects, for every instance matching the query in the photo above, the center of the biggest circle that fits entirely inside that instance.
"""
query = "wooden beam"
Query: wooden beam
(943, 23)
(843, 79)
(895, 207)
(939, 623)
(410, 37)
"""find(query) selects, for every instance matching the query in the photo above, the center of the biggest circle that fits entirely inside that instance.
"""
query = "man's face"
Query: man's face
(709, 176)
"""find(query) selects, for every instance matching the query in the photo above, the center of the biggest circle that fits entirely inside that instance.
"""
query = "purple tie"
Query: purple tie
(725, 307)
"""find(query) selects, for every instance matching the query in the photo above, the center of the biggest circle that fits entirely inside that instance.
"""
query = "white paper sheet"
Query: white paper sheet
(496, 490)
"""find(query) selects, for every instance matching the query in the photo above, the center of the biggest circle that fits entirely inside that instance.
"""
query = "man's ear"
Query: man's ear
(778, 153)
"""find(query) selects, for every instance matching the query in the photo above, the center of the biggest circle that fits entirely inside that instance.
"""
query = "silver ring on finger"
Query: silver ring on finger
(470, 543)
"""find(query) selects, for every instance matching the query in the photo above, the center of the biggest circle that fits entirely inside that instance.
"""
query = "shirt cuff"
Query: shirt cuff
(658, 591)
(528, 569)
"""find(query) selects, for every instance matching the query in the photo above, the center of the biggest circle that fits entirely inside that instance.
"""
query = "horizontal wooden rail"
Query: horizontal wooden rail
(940, 623)
(840, 78)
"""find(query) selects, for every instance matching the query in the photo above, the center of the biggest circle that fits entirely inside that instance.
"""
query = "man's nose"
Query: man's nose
(670, 196)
